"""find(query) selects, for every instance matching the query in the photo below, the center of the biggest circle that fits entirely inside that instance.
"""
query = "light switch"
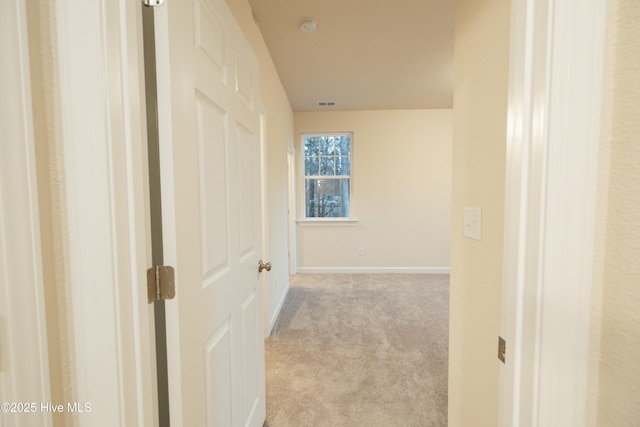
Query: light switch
(473, 223)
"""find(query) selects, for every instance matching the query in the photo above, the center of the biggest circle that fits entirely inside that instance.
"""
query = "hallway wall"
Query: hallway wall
(615, 330)
(479, 146)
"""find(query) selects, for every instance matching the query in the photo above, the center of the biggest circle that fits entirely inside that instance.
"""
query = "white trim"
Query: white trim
(326, 222)
(100, 79)
(291, 187)
(374, 270)
(24, 368)
(264, 212)
(552, 152)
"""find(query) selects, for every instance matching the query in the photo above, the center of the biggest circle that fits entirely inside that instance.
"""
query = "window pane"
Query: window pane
(343, 165)
(311, 165)
(311, 144)
(344, 146)
(325, 157)
(327, 145)
(327, 166)
(327, 198)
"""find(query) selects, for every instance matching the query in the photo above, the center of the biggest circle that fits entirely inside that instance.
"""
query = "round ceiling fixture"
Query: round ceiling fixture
(308, 25)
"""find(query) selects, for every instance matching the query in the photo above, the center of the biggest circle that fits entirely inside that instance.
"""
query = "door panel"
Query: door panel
(250, 333)
(218, 374)
(248, 177)
(215, 152)
(210, 39)
(212, 131)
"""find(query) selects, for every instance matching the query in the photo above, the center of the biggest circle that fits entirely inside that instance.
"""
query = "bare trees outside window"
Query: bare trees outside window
(327, 175)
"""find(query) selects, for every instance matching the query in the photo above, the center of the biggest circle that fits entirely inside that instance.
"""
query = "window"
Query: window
(327, 175)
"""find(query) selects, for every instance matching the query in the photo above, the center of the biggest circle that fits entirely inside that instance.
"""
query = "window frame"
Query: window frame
(343, 220)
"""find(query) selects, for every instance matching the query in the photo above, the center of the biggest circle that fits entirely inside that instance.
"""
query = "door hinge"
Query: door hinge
(153, 3)
(502, 349)
(161, 283)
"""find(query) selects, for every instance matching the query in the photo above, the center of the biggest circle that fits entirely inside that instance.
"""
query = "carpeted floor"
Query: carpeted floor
(360, 350)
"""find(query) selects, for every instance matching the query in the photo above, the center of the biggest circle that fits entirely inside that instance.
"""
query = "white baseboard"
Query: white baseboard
(374, 270)
(276, 314)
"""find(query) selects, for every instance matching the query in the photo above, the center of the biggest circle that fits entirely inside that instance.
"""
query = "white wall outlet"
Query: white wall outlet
(473, 223)
(360, 251)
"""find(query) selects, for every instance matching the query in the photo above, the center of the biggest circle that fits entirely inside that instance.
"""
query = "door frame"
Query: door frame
(24, 360)
(169, 238)
(264, 214)
(556, 76)
(102, 114)
(291, 189)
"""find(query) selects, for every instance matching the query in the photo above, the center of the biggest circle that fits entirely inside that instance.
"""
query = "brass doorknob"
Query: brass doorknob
(263, 266)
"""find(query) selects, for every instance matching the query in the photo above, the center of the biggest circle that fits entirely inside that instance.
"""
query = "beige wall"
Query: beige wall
(615, 373)
(479, 146)
(279, 123)
(401, 191)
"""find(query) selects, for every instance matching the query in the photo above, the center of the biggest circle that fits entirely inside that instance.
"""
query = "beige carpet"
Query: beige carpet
(360, 350)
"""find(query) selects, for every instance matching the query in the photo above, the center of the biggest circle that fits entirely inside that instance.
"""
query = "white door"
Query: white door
(212, 219)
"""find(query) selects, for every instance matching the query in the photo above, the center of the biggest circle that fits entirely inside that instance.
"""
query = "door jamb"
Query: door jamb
(24, 356)
(264, 208)
(556, 64)
(165, 135)
(291, 179)
(98, 47)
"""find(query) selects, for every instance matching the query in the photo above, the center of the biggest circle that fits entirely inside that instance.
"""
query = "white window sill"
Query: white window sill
(327, 222)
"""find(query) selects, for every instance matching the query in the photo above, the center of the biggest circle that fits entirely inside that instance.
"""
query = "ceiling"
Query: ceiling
(364, 55)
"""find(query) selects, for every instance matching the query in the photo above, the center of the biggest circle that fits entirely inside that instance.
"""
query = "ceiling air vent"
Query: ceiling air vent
(326, 103)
